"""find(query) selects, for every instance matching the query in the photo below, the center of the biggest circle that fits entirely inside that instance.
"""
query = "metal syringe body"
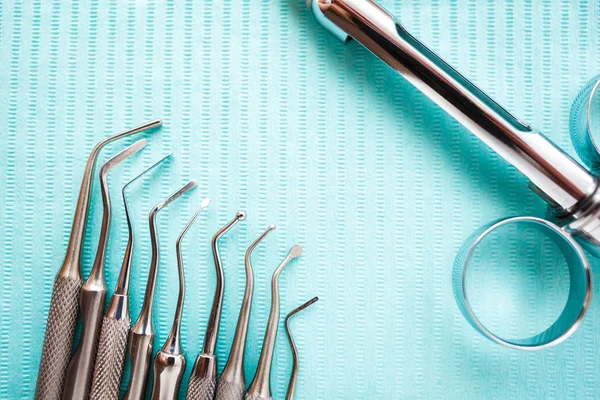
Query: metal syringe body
(569, 188)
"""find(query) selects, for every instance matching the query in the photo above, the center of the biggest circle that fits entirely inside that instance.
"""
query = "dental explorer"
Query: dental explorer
(169, 362)
(260, 388)
(232, 382)
(106, 380)
(570, 190)
(203, 380)
(93, 294)
(141, 338)
(62, 315)
(294, 376)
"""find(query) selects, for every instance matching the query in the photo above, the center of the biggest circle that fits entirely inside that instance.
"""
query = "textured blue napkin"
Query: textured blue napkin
(272, 115)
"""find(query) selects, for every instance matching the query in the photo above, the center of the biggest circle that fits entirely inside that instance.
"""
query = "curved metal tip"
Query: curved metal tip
(188, 186)
(272, 226)
(205, 203)
(122, 156)
(240, 215)
(144, 172)
(294, 376)
(295, 251)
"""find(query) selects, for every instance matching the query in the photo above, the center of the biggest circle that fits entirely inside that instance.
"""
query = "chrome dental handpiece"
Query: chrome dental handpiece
(570, 190)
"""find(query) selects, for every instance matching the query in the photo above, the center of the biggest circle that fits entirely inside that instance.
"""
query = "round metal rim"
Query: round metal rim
(577, 257)
(590, 133)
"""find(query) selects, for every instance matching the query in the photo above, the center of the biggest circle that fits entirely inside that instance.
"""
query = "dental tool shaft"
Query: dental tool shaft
(203, 380)
(106, 380)
(141, 337)
(232, 382)
(93, 294)
(260, 388)
(292, 385)
(169, 362)
(62, 316)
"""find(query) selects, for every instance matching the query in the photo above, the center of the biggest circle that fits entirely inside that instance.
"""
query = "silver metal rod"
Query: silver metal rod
(294, 376)
(260, 388)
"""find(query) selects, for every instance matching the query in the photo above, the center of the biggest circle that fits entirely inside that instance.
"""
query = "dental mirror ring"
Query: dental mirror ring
(579, 291)
(582, 131)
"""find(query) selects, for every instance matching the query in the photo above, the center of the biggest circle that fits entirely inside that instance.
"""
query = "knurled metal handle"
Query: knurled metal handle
(251, 397)
(108, 370)
(58, 340)
(201, 388)
(230, 391)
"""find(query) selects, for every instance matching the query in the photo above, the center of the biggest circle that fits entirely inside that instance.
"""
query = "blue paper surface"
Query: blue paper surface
(274, 116)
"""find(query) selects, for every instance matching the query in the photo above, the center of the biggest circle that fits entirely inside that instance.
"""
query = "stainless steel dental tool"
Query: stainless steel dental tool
(141, 337)
(93, 294)
(203, 379)
(570, 190)
(232, 382)
(294, 376)
(106, 380)
(62, 316)
(169, 362)
(260, 388)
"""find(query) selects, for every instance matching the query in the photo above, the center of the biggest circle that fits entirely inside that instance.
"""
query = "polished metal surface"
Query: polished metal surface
(169, 363)
(580, 279)
(142, 334)
(203, 379)
(168, 371)
(294, 376)
(565, 183)
(62, 316)
(260, 388)
(93, 294)
(112, 345)
(570, 190)
(232, 382)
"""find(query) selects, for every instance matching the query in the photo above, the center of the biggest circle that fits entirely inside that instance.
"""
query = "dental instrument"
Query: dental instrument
(232, 382)
(203, 380)
(260, 388)
(169, 362)
(294, 376)
(141, 337)
(108, 369)
(63, 312)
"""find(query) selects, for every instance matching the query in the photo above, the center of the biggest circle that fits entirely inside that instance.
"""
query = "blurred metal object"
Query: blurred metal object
(62, 316)
(108, 369)
(570, 190)
(93, 294)
(141, 337)
(169, 362)
(260, 388)
(203, 380)
(232, 382)
(292, 385)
